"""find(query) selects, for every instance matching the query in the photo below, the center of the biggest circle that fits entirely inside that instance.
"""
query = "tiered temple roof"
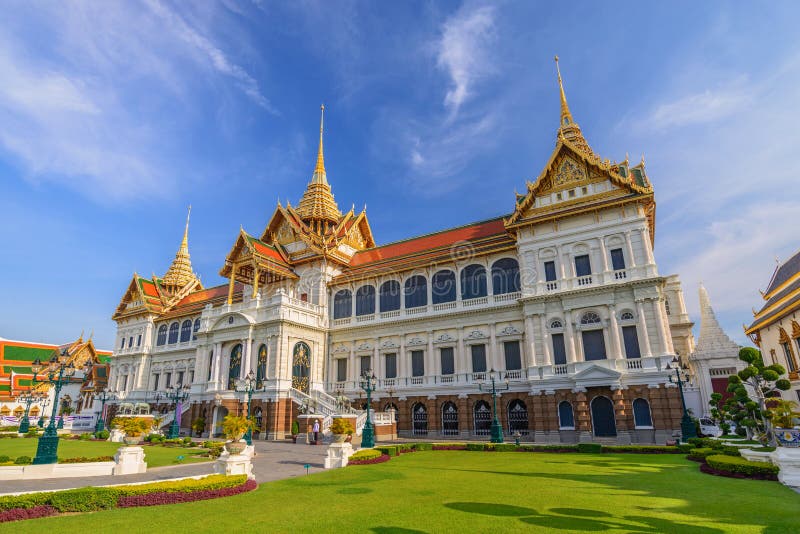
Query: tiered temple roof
(782, 295)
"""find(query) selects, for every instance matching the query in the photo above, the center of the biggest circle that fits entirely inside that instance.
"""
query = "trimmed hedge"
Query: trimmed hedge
(379, 460)
(23, 460)
(643, 449)
(685, 447)
(423, 446)
(702, 453)
(450, 446)
(741, 466)
(475, 446)
(505, 447)
(366, 454)
(388, 450)
(175, 497)
(590, 447)
(84, 459)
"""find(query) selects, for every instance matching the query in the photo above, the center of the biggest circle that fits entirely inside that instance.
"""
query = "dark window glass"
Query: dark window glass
(122, 343)
(559, 350)
(416, 292)
(417, 363)
(473, 282)
(631, 340)
(443, 287)
(210, 364)
(342, 304)
(365, 365)
(196, 328)
(130, 342)
(341, 369)
(155, 381)
(566, 419)
(549, 271)
(505, 276)
(641, 413)
(173, 333)
(261, 369)
(448, 362)
(478, 358)
(617, 259)
(594, 347)
(365, 300)
(582, 265)
(179, 382)
(787, 352)
(235, 366)
(391, 365)
(139, 340)
(390, 296)
(186, 331)
(513, 358)
(168, 380)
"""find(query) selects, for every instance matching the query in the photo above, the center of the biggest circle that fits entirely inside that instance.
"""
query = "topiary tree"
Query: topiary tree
(720, 413)
(751, 388)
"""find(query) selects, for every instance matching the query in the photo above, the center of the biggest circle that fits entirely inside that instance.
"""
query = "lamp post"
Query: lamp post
(28, 397)
(496, 432)
(176, 394)
(681, 377)
(57, 372)
(390, 392)
(104, 395)
(44, 403)
(247, 385)
(368, 384)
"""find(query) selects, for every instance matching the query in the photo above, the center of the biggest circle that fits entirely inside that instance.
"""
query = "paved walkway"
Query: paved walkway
(273, 461)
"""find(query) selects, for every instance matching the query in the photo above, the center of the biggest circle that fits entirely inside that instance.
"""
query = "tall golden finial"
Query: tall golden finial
(320, 167)
(185, 242)
(180, 271)
(566, 116)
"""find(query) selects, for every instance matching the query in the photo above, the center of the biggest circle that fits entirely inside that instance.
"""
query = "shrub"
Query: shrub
(476, 446)
(405, 447)
(505, 447)
(701, 453)
(379, 460)
(685, 447)
(84, 459)
(85, 437)
(23, 460)
(33, 512)
(32, 433)
(697, 442)
(387, 450)
(732, 464)
(729, 450)
(548, 448)
(423, 446)
(103, 434)
(342, 426)
(157, 498)
(188, 485)
(188, 441)
(590, 447)
(132, 426)
(646, 449)
(366, 454)
(296, 428)
(84, 499)
(29, 500)
(4, 458)
(210, 444)
(449, 446)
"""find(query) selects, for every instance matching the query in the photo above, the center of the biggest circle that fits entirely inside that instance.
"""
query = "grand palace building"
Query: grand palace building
(560, 299)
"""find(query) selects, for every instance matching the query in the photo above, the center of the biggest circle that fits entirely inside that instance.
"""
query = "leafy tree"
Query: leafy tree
(752, 387)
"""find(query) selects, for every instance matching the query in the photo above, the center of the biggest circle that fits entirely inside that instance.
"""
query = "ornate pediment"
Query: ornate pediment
(415, 341)
(444, 338)
(509, 331)
(596, 376)
(340, 348)
(476, 334)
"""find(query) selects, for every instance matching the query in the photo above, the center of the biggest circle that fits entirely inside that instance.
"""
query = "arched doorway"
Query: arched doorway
(419, 420)
(482, 415)
(449, 419)
(603, 422)
(301, 364)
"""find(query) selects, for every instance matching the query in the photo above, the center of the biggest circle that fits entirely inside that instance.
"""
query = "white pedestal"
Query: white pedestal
(129, 460)
(789, 462)
(115, 436)
(237, 464)
(338, 455)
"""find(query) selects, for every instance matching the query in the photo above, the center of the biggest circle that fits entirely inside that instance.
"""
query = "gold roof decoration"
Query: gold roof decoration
(180, 273)
(568, 129)
(317, 205)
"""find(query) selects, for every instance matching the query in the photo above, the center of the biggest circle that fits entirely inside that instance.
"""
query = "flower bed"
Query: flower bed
(361, 458)
(84, 459)
(740, 468)
(91, 499)
(449, 446)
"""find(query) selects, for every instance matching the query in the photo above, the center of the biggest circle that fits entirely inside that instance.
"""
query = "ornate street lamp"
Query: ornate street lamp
(368, 384)
(28, 397)
(248, 385)
(43, 403)
(682, 377)
(57, 372)
(176, 394)
(496, 432)
(103, 395)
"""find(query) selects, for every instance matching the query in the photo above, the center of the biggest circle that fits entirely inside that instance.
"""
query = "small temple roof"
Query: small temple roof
(782, 295)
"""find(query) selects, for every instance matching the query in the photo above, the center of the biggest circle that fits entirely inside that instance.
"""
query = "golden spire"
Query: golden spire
(180, 272)
(317, 202)
(566, 116)
(319, 169)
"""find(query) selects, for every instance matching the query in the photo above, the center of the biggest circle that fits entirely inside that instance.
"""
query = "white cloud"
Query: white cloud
(707, 106)
(462, 52)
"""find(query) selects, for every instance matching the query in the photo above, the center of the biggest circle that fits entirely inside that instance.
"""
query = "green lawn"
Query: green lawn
(69, 448)
(455, 491)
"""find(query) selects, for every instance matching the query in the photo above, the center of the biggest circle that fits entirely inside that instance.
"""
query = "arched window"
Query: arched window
(261, 370)
(626, 316)
(173, 333)
(505, 276)
(196, 328)
(162, 335)
(342, 304)
(555, 324)
(482, 416)
(416, 291)
(590, 318)
(365, 300)
(186, 330)
(390, 296)
(443, 287)
(517, 417)
(449, 419)
(419, 420)
(641, 414)
(235, 366)
(473, 282)
(566, 418)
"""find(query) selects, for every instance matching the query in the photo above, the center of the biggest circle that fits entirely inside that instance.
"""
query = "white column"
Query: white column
(561, 267)
(614, 333)
(530, 344)
(493, 357)
(569, 337)
(462, 360)
(216, 357)
(643, 335)
(662, 332)
(603, 254)
(430, 359)
(429, 287)
(648, 249)
(547, 358)
(377, 367)
(402, 365)
(629, 247)
(352, 369)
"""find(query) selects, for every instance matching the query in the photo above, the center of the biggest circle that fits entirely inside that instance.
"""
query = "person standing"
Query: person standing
(315, 430)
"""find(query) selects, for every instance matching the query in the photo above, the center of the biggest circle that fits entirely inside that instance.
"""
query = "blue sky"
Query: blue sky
(114, 116)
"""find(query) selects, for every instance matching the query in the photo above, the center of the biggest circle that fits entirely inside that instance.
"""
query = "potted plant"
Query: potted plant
(234, 427)
(132, 427)
(295, 431)
(782, 415)
(199, 425)
(341, 429)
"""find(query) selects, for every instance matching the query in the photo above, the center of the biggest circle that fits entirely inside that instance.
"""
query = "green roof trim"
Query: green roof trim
(26, 354)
